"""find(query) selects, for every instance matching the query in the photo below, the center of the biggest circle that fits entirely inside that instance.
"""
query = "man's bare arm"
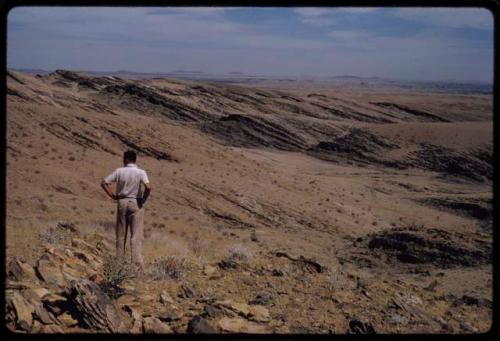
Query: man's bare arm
(147, 192)
(108, 190)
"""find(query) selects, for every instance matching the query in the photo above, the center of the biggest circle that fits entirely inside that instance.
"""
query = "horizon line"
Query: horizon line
(243, 74)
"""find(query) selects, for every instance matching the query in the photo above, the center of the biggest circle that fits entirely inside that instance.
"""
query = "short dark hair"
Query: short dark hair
(130, 155)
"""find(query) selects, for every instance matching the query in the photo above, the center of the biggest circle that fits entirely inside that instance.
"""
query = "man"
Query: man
(130, 211)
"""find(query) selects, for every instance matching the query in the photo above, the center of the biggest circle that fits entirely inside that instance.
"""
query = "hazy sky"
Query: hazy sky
(412, 43)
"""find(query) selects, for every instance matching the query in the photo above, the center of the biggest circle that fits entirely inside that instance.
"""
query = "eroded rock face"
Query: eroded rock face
(21, 271)
(360, 327)
(435, 247)
(200, 325)
(96, 308)
(256, 313)
(22, 311)
(240, 325)
(50, 272)
(56, 296)
(153, 325)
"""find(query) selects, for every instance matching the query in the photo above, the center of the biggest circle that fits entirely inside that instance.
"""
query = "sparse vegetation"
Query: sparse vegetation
(239, 253)
(114, 272)
(169, 267)
(198, 246)
(52, 235)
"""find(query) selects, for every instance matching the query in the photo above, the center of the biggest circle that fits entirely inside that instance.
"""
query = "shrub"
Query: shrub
(52, 236)
(169, 267)
(239, 253)
(114, 272)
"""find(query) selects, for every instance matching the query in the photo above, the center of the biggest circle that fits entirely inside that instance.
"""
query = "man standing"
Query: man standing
(130, 211)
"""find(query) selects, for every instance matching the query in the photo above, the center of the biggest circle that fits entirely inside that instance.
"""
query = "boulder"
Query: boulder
(23, 311)
(50, 272)
(96, 308)
(21, 271)
(34, 297)
(171, 313)
(152, 325)
(262, 298)
(240, 325)
(200, 325)
(257, 313)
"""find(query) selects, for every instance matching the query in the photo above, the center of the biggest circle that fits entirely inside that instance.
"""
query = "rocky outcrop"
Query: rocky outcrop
(307, 264)
(355, 145)
(96, 310)
(245, 131)
(453, 163)
(65, 291)
(432, 246)
(56, 295)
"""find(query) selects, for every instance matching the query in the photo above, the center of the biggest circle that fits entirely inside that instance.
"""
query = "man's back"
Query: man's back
(128, 181)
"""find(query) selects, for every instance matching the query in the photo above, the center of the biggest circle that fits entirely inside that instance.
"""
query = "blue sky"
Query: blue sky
(405, 43)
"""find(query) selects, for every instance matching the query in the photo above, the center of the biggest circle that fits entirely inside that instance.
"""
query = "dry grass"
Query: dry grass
(169, 267)
(52, 235)
(198, 246)
(239, 253)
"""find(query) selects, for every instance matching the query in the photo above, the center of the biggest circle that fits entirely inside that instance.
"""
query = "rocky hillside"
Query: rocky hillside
(273, 211)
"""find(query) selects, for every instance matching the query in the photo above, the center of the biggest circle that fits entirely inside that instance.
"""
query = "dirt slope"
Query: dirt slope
(389, 193)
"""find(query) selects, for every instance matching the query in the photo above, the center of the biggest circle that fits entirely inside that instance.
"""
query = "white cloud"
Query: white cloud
(358, 10)
(308, 12)
(449, 17)
(326, 16)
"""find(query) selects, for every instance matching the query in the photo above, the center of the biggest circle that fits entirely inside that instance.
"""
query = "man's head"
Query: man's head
(129, 157)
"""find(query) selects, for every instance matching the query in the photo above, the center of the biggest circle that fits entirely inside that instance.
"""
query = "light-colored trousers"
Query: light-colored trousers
(129, 220)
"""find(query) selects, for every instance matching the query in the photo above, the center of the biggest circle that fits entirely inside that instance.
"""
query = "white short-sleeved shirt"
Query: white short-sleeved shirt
(128, 181)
